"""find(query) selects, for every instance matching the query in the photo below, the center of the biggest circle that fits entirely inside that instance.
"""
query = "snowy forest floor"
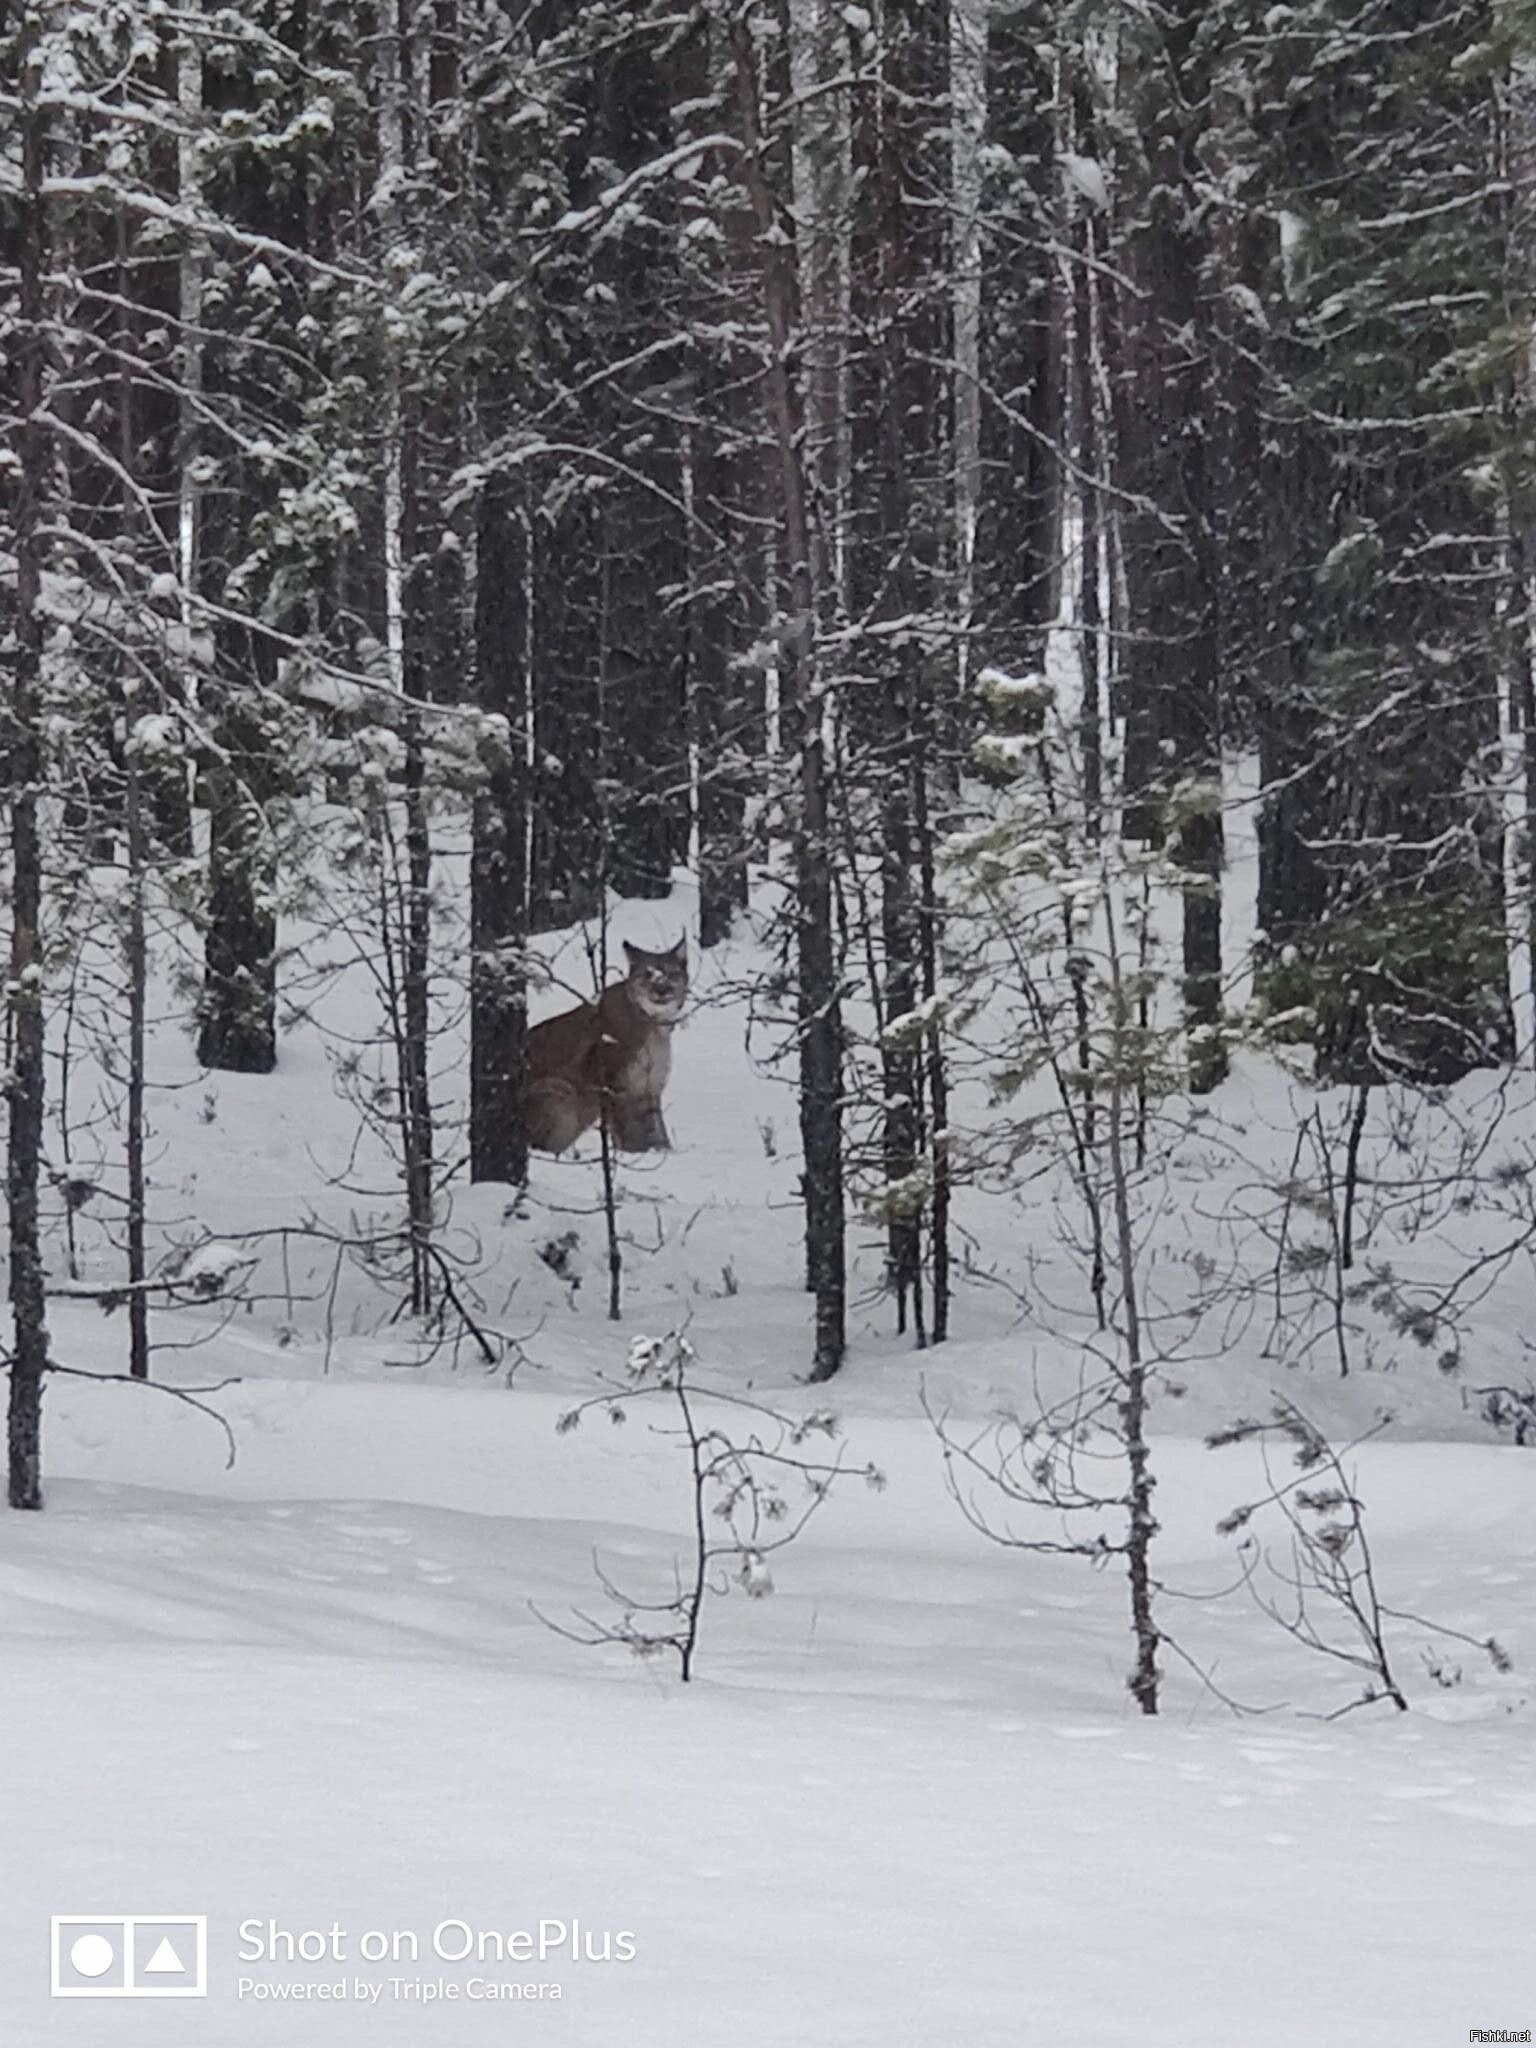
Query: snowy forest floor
(907, 1800)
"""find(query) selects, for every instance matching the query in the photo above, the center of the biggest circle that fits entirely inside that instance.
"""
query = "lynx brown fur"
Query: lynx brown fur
(618, 1050)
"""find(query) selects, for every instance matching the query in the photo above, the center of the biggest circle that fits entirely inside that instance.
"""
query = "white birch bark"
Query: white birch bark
(1517, 700)
(190, 279)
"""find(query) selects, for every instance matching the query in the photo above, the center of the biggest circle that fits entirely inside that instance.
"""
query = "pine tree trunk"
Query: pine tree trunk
(416, 995)
(901, 575)
(237, 1011)
(1023, 309)
(1292, 887)
(237, 1016)
(821, 1040)
(402, 87)
(1173, 750)
(27, 1086)
(564, 597)
(498, 1127)
(173, 804)
(716, 718)
(935, 1059)
(136, 945)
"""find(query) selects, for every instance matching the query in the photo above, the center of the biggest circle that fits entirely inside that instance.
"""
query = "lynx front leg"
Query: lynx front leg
(555, 1121)
(639, 1127)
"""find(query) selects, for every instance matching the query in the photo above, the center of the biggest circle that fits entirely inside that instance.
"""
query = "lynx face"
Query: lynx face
(658, 982)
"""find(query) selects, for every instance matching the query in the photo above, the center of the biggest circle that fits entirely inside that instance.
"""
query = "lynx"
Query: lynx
(618, 1048)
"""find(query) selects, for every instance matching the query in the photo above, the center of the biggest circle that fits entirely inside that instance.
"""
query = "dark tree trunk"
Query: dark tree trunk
(648, 797)
(1172, 666)
(136, 961)
(498, 1016)
(935, 1059)
(642, 550)
(726, 544)
(717, 713)
(1292, 885)
(565, 596)
(418, 556)
(237, 1017)
(896, 569)
(821, 1045)
(1018, 536)
(416, 1008)
(27, 1084)
(135, 937)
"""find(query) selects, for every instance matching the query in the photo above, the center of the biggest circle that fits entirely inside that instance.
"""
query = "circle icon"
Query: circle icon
(92, 1955)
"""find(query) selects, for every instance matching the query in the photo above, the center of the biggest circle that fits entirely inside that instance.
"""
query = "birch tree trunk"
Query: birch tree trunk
(1518, 168)
(806, 709)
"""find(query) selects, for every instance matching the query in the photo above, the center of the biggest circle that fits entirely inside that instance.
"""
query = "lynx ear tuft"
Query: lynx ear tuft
(629, 953)
(680, 950)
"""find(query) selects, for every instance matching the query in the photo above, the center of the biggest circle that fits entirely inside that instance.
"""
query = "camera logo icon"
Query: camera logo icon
(129, 1955)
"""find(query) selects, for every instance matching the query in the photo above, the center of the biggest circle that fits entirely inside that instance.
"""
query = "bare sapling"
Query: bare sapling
(753, 1484)
(1325, 1593)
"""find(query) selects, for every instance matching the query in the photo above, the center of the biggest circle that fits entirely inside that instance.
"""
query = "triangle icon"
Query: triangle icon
(165, 1960)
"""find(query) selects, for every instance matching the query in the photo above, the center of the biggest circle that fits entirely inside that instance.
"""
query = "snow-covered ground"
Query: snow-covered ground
(907, 1799)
